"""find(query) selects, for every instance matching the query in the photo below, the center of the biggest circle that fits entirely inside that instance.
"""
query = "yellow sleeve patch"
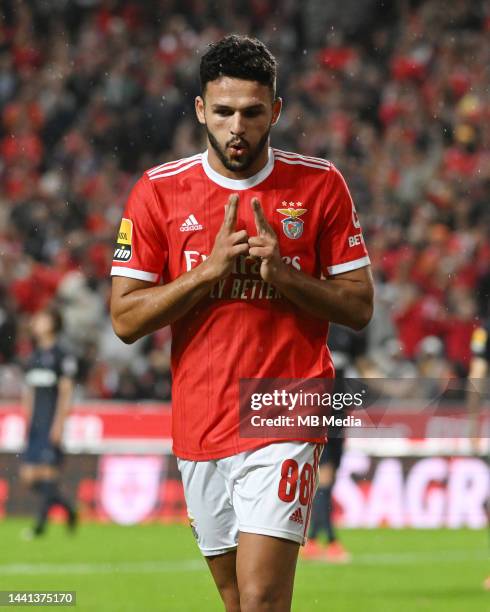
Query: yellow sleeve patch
(478, 340)
(125, 233)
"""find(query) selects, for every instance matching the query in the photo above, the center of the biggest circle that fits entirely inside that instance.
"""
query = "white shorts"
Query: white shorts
(267, 491)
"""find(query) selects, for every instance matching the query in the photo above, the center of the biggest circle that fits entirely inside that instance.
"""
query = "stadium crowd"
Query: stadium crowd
(92, 93)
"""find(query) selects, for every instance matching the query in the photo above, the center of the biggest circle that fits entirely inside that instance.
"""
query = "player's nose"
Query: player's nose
(237, 124)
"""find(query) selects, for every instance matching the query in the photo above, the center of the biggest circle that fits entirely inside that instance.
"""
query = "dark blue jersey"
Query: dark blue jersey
(43, 373)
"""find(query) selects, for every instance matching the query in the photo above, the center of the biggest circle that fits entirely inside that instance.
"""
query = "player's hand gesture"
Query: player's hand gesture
(265, 245)
(228, 243)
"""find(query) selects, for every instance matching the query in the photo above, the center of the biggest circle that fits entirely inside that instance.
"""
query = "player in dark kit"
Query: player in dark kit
(47, 399)
(345, 347)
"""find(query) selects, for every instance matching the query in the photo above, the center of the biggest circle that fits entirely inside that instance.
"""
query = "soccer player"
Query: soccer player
(248, 292)
(47, 400)
(321, 515)
(346, 347)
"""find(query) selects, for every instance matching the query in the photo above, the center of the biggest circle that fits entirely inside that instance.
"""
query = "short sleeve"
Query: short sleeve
(141, 246)
(341, 245)
(68, 366)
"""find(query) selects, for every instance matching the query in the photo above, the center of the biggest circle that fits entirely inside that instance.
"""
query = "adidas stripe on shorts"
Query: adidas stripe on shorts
(267, 491)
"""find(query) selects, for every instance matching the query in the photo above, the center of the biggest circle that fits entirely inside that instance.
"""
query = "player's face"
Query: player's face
(42, 325)
(238, 116)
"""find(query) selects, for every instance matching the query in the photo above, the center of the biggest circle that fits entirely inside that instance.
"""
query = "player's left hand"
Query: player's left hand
(265, 245)
(55, 435)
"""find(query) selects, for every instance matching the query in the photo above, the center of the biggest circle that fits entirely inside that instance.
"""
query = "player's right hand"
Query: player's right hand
(228, 244)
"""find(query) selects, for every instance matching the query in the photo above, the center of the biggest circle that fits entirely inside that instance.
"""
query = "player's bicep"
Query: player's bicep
(360, 281)
(123, 286)
(122, 289)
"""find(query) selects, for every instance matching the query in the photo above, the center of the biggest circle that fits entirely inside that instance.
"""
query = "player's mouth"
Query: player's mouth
(238, 149)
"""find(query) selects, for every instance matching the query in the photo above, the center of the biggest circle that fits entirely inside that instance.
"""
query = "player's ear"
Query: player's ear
(276, 110)
(199, 106)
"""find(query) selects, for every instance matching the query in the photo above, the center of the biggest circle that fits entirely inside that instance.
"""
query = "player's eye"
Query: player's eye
(223, 112)
(253, 112)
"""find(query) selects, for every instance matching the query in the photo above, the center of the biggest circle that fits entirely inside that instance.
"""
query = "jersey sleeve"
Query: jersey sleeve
(341, 244)
(141, 246)
(68, 366)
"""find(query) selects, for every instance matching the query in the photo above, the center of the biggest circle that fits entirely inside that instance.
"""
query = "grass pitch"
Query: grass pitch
(157, 568)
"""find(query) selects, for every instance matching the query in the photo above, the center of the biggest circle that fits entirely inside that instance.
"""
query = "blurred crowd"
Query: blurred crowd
(93, 92)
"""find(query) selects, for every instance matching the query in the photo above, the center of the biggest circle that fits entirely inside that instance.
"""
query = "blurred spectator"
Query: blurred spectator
(93, 92)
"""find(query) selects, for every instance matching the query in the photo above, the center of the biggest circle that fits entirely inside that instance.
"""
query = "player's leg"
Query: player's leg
(223, 570)
(320, 512)
(214, 524)
(27, 473)
(43, 478)
(335, 552)
(272, 494)
(265, 569)
(323, 499)
(33, 475)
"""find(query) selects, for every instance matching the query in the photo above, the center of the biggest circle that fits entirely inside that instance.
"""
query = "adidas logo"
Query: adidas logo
(190, 225)
(297, 516)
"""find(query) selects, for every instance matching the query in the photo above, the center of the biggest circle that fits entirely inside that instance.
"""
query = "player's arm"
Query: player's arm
(475, 390)
(28, 403)
(63, 406)
(345, 298)
(139, 307)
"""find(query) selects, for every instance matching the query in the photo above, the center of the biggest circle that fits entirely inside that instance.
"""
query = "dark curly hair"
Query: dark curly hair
(56, 317)
(240, 57)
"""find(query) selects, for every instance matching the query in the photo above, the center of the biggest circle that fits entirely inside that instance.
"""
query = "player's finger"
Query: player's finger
(240, 236)
(239, 249)
(256, 241)
(261, 223)
(262, 252)
(231, 211)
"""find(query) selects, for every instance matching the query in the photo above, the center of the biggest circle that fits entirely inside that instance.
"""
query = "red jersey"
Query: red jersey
(244, 328)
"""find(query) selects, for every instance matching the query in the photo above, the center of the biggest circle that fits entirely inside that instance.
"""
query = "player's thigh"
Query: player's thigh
(27, 473)
(265, 571)
(49, 472)
(273, 490)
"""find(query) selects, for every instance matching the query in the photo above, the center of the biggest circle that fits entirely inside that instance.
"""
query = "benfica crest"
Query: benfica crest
(292, 225)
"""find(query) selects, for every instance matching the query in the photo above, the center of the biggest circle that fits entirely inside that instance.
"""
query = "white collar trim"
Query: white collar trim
(238, 184)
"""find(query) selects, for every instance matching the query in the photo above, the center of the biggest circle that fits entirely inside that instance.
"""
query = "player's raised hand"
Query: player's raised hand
(265, 245)
(228, 243)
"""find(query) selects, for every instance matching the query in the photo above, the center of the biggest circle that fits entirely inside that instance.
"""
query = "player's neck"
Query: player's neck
(216, 164)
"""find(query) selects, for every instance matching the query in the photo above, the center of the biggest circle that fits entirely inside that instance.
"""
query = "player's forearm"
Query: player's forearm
(143, 311)
(62, 411)
(340, 301)
(27, 403)
(63, 404)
